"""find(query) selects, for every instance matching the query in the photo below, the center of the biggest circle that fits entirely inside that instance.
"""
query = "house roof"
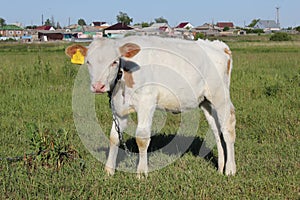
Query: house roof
(157, 27)
(45, 28)
(267, 24)
(98, 23)
(11, 27)
(205, 26)
(119, 26)
(182, 25)
(225, 24)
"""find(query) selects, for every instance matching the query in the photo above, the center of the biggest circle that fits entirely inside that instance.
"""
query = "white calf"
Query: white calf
(148, 73)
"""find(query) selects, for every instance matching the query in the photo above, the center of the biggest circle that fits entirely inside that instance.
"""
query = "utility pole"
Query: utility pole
(277, 16)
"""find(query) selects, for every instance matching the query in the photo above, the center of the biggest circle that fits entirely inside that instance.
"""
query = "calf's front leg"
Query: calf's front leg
(143, 133)
(143, 141)
(114, 145)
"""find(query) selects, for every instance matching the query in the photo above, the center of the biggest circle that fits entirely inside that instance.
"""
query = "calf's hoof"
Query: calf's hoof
(230, 170)
(109, 171)
(142, 172)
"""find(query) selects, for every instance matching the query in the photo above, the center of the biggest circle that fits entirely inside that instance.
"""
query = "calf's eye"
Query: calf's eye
(115, 63)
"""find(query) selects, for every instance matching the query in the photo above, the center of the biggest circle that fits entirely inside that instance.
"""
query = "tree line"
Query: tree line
(124, 18)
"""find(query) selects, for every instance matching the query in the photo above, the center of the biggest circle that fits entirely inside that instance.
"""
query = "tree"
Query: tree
(81, 22)
(2, 22)
(297, 28)
(143, 24)
(31, 27)
(48, 22)
(253, 23)
(124, 18)
(226, 28)
(160, 20)
(199, 36)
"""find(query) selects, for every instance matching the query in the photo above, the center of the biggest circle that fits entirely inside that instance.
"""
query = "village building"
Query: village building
(223, 25)
(100, 25)
(45, 28)
(117, 30)
(11, 31)
(158, 29)
(207, 29)
(267, 25)
(184, 25)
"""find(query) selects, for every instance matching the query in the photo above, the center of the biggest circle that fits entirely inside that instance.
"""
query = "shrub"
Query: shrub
(199, 36)
(280, 37)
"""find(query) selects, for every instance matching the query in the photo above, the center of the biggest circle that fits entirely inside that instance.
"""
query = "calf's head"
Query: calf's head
(103, 60)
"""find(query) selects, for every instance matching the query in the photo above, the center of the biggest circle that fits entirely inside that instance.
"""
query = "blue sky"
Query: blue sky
(175, 11)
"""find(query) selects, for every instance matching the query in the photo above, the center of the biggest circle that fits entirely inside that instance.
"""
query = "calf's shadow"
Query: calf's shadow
(170, 145)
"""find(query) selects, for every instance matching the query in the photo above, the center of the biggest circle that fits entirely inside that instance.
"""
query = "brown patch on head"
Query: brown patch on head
(129, 82)
(227, 51)
(129, 50)
(71, 50)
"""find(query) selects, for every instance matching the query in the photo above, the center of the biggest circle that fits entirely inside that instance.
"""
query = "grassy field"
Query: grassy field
(37, 128)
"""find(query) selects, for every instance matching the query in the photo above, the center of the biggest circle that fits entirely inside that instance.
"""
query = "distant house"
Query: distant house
(82, 33)
(241, 32)
(46, 33)
(184, 25)
(50, 35)
(71, 27)
(100, 25)
(117, 30)
(158, 29)
(45, 28)
(97, 23)
(267, 25)
(11, 31)
(222, 25)
(208, 29)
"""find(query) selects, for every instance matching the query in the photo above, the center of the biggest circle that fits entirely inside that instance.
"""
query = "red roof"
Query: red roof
(44, 28)
(182, 25)
(225, 24)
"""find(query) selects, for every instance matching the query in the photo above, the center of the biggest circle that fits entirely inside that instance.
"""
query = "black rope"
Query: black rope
(20, 158)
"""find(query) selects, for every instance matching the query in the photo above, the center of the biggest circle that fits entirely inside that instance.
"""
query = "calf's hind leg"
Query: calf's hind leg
(211, 118)
(226, 118)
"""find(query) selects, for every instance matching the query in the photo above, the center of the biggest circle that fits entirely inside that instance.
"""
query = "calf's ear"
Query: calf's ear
(77, 54)
(72, 50)
(129, 50)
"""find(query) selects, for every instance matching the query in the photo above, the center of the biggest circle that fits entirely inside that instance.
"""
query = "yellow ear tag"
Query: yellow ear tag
(77, 58)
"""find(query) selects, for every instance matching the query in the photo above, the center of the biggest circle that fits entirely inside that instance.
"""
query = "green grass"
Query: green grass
(36, 117)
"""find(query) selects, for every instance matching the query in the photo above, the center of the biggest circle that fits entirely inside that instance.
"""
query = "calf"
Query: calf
(147, 73)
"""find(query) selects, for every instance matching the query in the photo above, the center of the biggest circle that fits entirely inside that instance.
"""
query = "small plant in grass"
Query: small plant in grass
(272, 90)
(51, 147)
(280, 37)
